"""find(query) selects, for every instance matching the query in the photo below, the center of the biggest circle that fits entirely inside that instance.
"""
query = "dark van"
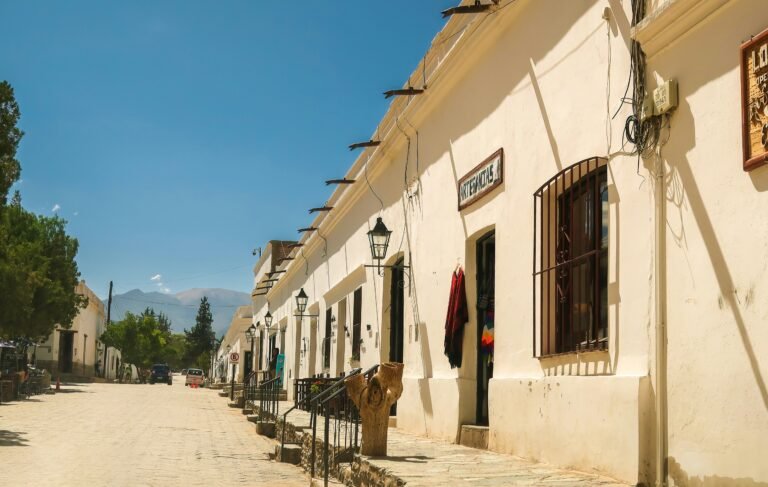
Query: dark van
(161, 373)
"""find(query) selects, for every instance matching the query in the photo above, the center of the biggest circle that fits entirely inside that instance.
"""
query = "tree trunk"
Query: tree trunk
(374, 399)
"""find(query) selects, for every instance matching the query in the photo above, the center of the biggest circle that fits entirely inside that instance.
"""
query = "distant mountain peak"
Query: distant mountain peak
(181, 308)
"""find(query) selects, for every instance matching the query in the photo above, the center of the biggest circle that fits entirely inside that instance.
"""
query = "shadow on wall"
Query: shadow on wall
(681, 187)
(682, 478)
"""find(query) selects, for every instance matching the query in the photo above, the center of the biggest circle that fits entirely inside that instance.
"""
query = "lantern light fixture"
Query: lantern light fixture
(268, 319)
(378, 239)
(251, 332)
(301, 304)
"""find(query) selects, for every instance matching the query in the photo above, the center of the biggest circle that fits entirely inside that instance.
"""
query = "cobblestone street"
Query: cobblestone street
(131, 435)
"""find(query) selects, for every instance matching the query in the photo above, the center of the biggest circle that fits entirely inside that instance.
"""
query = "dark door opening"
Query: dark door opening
(396, 318)
(66, 344)
(327, 341)
(486, 264)
(248, 363)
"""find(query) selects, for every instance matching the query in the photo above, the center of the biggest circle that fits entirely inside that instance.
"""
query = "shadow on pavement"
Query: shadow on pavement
(69, 391)
(406, 458)
(12, 438)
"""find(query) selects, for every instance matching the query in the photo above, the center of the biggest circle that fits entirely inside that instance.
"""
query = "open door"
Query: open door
(396, 317)
(66, 346)
(486, 275)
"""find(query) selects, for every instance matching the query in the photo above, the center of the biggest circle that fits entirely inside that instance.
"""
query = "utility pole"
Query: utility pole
(109, 313)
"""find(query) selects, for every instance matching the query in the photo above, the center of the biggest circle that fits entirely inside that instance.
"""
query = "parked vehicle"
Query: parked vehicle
(161, 373)
(195, 377)
(183, 371)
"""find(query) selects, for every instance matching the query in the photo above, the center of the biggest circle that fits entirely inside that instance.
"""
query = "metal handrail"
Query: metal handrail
(268, 387)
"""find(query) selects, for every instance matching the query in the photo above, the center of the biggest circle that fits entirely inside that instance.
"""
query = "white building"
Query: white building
(623, 293)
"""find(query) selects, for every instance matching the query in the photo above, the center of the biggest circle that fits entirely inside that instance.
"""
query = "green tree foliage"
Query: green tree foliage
(141, 338)
(38, 272)
(200, 337)
(10, 136)
(176, 351)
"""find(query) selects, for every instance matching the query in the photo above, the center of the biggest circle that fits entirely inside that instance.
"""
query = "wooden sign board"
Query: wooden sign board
(754, 101)
(481, 180)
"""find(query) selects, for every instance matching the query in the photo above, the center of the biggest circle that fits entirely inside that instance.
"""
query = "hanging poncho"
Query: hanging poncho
(455, 319)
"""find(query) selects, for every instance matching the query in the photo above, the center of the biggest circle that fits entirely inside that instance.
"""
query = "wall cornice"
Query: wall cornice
(670, 21)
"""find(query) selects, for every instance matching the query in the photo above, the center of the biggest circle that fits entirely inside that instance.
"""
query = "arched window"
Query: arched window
(570, 265)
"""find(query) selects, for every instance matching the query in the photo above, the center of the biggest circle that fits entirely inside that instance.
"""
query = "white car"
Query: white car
(195, 377)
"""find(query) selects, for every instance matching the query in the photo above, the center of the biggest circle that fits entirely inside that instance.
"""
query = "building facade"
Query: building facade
(77, 350)
(613, 320)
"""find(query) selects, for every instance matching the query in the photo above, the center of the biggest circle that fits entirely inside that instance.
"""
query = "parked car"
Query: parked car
(161, 373)
(195, 377)
(183, 371)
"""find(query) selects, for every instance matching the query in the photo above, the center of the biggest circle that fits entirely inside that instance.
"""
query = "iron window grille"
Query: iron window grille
(570, 260)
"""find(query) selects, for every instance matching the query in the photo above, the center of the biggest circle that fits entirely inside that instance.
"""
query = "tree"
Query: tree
(200, 337)
(10, 136)
(141, 339)
(38, 271)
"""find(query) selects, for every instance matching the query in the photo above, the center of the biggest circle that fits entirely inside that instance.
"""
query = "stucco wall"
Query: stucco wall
(716, 260)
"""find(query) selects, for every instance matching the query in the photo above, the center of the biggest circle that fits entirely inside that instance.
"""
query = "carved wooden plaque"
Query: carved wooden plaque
(754, 100)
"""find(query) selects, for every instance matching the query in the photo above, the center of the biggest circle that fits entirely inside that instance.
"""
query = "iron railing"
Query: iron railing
(305, 388)
(268, 394)
(334, 403)
(249, 387)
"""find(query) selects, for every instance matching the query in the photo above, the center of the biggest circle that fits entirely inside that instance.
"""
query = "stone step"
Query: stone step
(290, 453)
(474, 436)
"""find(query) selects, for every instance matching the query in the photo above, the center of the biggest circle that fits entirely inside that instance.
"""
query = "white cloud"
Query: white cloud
(156, 277)
(76, 213)
(166, 290)
(55, 208)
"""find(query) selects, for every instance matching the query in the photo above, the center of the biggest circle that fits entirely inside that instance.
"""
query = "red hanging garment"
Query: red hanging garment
(455, 319)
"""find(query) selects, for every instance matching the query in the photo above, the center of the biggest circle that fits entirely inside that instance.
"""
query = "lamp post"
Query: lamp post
(232, 385)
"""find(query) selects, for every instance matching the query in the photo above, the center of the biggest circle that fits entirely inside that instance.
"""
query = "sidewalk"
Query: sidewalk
(418, 461)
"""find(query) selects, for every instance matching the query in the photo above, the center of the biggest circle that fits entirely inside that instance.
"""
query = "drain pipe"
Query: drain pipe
(660, 283)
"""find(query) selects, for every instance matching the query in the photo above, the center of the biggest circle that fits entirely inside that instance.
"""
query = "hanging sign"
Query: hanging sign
(482, 179)
(754, 101)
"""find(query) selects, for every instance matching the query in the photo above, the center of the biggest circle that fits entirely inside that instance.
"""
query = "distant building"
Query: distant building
(78, 350)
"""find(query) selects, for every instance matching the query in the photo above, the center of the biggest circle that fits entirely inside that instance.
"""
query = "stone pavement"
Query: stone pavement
(420, 461)
(134, 435)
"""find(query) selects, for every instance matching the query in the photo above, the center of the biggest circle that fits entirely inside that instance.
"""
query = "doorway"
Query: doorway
(396, 317)
(312, 346)
(327, 342)
(66, 345)
(486, 276)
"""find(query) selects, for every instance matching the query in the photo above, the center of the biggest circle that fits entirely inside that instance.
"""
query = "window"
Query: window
(570, 272)
(357, 318)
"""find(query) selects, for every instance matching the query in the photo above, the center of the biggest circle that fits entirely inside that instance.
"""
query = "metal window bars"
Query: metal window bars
(570, 255)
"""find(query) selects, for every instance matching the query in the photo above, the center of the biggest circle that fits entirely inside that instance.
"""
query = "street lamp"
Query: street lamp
(378, 239)
(268, 319)
(301, 304)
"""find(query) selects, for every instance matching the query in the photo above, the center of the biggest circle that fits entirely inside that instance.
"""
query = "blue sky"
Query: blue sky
(177, 136)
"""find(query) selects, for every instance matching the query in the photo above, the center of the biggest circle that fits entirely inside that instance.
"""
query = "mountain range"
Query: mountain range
(181, 308)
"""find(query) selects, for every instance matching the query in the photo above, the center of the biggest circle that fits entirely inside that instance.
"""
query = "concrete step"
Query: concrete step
(266, 429)
(474, 436)
(290, 454)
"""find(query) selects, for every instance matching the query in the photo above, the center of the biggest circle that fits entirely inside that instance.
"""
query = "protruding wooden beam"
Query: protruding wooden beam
(404, 92)
(339, 181)
(321, 208)
(370, 143)
(295, 246)
(469, 9)
(308, 229)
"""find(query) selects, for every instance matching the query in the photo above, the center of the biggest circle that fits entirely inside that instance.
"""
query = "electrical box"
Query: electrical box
(646, 110)
(665, 97)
